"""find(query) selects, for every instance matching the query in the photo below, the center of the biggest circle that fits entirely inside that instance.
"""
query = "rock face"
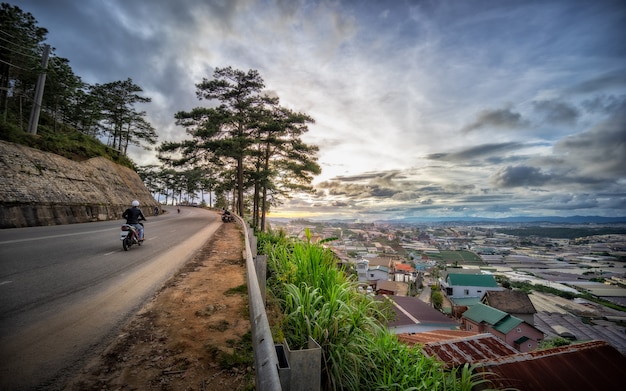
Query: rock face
(40, 188)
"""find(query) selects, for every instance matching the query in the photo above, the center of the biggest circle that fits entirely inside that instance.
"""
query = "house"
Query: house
(510, 329)
(373, 269)
(516, 303)
(378, 273)
(384, 287)
(469, 285)
(361, 268)
(403, 272)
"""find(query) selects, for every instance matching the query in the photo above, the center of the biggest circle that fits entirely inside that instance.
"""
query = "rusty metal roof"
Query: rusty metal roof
(594, 365)
(467, 349)
(433, 336)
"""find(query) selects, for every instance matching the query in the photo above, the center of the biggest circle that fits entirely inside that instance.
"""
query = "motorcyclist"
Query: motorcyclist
(133, 216)
(226, 216)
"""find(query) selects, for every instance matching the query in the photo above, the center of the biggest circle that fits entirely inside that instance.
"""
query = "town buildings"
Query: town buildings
(480, 266)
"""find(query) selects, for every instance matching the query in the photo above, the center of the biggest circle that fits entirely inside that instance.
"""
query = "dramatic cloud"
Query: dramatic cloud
(441, 108)
(479, 151)
(520, 176)
(496, 120)
(556, 112)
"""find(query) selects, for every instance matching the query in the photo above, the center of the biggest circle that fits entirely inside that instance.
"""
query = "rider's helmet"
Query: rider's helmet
(135, 203)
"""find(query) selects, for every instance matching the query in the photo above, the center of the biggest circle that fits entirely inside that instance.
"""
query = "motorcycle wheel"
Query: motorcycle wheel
(126, 243)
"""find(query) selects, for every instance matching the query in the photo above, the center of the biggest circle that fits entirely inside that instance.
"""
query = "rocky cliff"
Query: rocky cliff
(40, 188)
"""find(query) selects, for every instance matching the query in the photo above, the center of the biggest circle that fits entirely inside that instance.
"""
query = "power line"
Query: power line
(12, 42)
(5, 33)
(14, 66)
(20, 53)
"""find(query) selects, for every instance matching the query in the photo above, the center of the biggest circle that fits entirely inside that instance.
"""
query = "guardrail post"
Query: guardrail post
(305, 367)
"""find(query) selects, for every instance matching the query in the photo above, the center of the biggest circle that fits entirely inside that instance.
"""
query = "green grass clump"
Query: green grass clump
(318, 300)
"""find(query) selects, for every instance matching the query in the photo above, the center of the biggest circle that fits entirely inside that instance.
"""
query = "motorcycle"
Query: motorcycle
(129, 236)
(227, 218)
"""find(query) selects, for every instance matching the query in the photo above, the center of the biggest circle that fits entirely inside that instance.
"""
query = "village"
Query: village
(484, 296)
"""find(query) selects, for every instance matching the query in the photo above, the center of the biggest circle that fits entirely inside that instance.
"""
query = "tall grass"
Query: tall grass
(318, 300)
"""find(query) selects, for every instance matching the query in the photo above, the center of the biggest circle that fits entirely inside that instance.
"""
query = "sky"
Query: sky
(441, 108)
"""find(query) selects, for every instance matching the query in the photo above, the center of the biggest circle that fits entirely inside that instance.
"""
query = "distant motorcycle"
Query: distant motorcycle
(227, 218)
(129, 236)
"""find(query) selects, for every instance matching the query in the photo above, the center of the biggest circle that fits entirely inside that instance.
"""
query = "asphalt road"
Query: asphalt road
(66, 290)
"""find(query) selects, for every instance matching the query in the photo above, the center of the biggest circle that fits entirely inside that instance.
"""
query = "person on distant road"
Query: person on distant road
(133, 216)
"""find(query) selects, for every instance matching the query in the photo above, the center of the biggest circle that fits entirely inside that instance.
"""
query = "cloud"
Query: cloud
(479, 151)
(605, 82)
(420, 107)
(496, 119)
(515, 176)
(556, 112)
(599, 152)
(604, 104)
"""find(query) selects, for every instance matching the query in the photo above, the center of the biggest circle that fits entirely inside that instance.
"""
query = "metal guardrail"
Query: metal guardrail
(265, 356)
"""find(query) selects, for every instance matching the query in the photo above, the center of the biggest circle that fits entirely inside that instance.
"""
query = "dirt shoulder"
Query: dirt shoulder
(193, 334)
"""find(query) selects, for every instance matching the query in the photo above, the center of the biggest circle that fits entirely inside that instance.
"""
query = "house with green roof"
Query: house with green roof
(469, 285)
(514, 331)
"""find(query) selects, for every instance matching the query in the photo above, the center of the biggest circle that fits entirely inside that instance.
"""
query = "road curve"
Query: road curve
(66, 290)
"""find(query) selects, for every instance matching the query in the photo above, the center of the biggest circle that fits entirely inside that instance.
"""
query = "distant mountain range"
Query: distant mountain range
(474, 220)
(521, 219)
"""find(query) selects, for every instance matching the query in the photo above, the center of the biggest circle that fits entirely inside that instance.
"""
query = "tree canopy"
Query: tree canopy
(254, 144)
(105, 111)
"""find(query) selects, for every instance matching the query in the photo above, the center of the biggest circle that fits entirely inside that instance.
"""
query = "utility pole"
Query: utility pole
(34, 113)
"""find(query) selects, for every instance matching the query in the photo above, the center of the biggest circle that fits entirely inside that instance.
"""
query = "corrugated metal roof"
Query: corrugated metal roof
(507, 324)
(468, 349)
(510, 301)
(433, 336)
(403, 267)
(408, 308)
(485, 280)
(588, 366)
(613, 334)
(483, 313)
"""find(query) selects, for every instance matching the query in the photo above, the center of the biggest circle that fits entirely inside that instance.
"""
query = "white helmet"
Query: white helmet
(135, 203)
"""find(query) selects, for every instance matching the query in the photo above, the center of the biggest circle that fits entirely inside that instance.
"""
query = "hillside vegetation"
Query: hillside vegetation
(63, 140)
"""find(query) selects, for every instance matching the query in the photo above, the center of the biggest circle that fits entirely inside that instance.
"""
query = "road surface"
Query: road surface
(65, 290)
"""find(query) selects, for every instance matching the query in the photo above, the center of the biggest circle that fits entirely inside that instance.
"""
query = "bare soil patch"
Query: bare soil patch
(193, 335)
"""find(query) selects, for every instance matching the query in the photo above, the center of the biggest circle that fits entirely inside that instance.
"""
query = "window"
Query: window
(479, 291)
(519, 330)
(466, 292)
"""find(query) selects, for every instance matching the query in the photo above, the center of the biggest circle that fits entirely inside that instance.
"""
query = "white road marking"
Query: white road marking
(55, 236)
(5, 282)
